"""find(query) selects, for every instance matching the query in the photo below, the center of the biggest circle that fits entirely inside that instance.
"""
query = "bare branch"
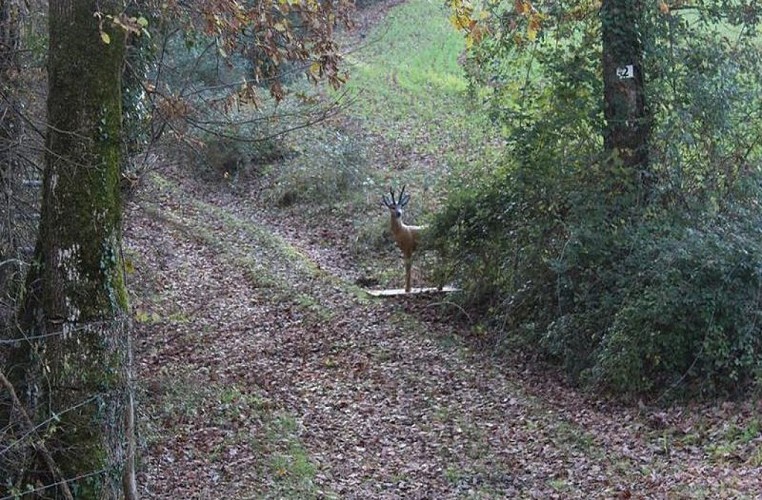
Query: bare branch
(37, 442)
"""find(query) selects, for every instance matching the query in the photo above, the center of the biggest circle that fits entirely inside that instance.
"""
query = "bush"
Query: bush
(632, 288)
(333, 166)
(669, 301)
(629, 301)
(235, 153)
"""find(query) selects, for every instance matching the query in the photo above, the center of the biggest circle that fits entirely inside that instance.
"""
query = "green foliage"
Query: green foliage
(706, 96)
(630, 302)
(631, 292)
(661, 301)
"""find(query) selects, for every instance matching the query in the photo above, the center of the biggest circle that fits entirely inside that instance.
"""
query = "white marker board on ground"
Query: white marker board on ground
(393, 292)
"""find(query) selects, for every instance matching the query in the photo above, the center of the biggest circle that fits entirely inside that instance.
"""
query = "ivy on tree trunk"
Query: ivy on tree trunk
(71, 358)
(627, 119)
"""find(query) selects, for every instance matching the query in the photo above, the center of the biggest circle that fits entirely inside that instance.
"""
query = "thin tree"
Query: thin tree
(69, 363)
(10, 134)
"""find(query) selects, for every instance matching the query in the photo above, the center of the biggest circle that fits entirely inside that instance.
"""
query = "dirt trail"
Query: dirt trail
(264, 375)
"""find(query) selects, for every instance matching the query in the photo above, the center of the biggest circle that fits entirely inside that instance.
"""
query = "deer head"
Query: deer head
(395, 206)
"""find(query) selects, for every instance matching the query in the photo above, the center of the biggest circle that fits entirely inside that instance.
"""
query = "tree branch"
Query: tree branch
(37, 442)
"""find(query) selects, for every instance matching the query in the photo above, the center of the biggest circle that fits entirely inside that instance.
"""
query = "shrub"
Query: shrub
(234, 152)
(669, 301)
(629, 300)
(632, 289)
(332, 167)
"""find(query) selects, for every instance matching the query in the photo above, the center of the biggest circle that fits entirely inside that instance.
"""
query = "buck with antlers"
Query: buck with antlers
(407, 237)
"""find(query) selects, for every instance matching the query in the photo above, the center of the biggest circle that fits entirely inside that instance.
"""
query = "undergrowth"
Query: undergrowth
(634, 290)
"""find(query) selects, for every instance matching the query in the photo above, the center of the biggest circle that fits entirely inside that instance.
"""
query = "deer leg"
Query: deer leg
(408, 265)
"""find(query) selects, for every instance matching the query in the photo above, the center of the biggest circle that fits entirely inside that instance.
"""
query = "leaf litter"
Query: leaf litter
(263, 375)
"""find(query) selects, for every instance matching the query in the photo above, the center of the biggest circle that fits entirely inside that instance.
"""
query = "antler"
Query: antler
(385, 200)
(399, 202)
(403, 197)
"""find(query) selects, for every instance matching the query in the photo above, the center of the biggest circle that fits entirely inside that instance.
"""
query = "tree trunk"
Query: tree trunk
(10, 139)
(628, 122)
(70, 363)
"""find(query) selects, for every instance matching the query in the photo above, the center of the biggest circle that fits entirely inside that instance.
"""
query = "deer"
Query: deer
(406, 237)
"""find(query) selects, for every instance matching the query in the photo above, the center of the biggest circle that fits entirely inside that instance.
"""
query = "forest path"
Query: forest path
(265, 372)
(263, 375)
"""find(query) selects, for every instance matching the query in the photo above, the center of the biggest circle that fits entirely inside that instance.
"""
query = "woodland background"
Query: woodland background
(191, 216)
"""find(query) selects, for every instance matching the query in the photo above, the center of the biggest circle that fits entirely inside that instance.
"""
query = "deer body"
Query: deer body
(406, 237)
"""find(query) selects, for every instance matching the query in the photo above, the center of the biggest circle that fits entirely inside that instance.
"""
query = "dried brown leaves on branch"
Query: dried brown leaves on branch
(272, 32)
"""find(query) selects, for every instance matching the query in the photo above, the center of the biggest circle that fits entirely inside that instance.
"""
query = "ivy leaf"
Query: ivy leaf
(460, 21)
(461, 15)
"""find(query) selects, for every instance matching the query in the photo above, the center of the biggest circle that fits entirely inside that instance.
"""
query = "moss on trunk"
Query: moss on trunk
(76, 304)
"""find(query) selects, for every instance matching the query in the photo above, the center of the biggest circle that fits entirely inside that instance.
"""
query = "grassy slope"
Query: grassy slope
(265, 373)
(412, 91)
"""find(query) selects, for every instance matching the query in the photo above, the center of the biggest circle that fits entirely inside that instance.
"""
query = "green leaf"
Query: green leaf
(106, 39)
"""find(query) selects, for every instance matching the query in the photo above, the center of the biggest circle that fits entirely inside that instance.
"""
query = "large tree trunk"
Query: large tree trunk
(70, 370)
(628, 122)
